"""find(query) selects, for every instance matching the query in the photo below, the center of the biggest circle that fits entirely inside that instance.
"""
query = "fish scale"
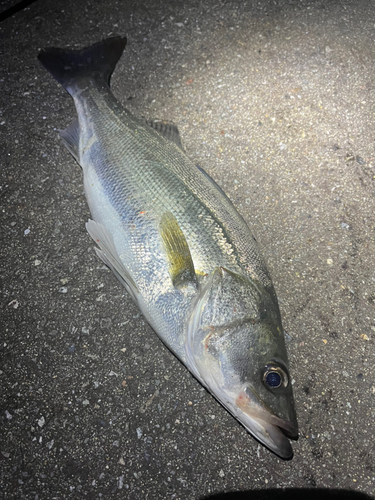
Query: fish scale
(173, 176)
(180, 248)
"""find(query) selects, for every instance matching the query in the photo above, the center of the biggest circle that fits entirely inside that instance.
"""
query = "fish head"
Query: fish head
(236, 348)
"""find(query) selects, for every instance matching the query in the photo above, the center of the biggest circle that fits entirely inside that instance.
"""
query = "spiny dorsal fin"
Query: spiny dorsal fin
(181, 266)
(213, 182)
(167, 129)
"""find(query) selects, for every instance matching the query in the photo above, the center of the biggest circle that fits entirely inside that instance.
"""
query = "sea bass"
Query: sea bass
(180, 248)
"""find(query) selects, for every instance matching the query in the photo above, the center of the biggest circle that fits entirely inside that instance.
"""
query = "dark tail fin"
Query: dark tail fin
(69, 67)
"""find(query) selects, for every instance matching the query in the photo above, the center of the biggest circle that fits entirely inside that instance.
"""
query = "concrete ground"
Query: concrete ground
(275, 100)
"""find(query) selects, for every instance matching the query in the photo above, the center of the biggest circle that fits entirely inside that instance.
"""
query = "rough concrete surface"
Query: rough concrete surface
(275, 100)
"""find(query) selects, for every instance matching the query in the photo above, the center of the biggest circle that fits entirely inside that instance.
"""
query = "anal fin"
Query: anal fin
(181, 266)
(70, 138)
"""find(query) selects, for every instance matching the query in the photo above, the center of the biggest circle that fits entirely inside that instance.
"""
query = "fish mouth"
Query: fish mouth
(268, 428)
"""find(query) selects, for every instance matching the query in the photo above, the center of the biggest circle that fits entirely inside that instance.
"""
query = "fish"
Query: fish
(179, 247)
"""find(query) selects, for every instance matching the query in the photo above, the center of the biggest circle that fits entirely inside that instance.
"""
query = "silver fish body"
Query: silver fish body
(179, 247)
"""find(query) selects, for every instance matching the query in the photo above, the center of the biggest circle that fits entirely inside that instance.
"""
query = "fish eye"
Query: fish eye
(273, 379)
(275, 376)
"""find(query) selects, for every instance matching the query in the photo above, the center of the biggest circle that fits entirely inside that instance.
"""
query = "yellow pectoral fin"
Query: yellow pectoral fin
(181, 266)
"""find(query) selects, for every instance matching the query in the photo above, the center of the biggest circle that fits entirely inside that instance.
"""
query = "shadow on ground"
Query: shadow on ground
(291, 494)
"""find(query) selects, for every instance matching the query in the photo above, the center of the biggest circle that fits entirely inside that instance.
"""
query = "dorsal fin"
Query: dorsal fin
(167, 129)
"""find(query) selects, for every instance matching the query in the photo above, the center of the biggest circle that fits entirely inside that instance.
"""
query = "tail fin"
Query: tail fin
(69, 67)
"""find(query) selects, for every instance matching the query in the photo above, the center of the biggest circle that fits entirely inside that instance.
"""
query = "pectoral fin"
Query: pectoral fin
(181, 266)
(108, 254)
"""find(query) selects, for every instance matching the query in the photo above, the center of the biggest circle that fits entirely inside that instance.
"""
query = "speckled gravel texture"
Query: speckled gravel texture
(275, 100)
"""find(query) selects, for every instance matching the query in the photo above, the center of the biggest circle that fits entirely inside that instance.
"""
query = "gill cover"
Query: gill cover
(216, 338)
(235, 347)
